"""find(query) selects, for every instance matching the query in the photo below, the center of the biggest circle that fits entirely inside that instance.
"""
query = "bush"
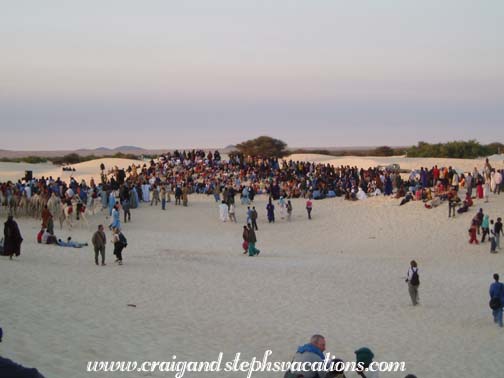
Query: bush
(457, 149)
(383, 151)
(264, 146)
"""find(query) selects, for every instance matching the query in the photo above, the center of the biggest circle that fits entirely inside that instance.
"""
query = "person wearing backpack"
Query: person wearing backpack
(413, 281)
(120, 243)
(497, 299)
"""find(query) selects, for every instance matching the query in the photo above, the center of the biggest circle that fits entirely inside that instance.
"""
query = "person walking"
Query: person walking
(116, 221)
(413, 281)
(252, 240)
(497, 299)
(473, 232)
(245, 240)
(309, 206)
(485, 227)
(120, 243)
(12, 238)
(99, 241)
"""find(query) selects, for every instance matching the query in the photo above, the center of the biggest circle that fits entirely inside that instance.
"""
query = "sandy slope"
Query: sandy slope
(467, 165)
(86, 170)
(341, 275)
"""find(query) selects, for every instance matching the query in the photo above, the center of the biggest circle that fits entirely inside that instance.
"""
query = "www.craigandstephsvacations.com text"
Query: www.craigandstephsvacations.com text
(179, 368)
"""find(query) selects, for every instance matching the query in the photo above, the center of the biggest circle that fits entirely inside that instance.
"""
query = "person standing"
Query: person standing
(155, 195)
(232, 215)
(163, 197)
(185, 195)
(309, 206)
(497, 299)
(289, 210)
(253, 218)
(413, 281)
(270, 208)
(12, 238)
(126, 208)
(46, 214)
(223, 211)
(99, 241)
(120, 243)
(178, 195)
(111, 202)
(498, 231)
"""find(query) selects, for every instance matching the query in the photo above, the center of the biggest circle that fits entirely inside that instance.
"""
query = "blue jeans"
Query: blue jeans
(163, 204)
(497, 314)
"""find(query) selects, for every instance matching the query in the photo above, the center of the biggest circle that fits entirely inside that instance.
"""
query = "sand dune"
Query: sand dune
(341, 275)
(86, 170)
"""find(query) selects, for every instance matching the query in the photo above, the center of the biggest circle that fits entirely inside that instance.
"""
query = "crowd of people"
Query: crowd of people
(180, 174)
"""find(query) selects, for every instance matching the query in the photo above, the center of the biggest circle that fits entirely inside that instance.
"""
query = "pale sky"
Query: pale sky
(168, 74)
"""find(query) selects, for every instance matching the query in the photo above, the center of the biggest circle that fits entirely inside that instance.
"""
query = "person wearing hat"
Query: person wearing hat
(9, 368)
(364, 357)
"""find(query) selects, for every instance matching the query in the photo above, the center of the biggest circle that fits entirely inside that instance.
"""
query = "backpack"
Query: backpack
(495, 302)
(123, 240)
(415, 279)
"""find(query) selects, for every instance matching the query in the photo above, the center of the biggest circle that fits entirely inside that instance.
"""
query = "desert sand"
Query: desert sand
(340, 275)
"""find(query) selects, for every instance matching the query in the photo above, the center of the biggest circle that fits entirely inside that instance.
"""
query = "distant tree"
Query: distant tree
(457, 149)
(383, 151)
(263, 146)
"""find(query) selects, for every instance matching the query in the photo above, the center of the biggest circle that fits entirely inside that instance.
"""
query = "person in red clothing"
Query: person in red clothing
(479, 189)
(309, 206)
(472, 233)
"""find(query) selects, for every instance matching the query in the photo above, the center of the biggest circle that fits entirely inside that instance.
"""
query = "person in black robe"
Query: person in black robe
(12, 238)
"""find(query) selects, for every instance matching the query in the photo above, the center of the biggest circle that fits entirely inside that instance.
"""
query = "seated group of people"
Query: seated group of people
(46, 237)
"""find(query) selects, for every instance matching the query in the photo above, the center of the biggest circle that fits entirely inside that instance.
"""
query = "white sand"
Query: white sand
(87, 170)
(341, 275)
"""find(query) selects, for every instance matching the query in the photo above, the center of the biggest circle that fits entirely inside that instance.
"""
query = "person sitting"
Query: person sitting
(401, 192)
(468, 200)
(48, 238)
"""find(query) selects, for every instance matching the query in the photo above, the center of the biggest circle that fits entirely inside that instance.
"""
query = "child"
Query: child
(309, 206)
